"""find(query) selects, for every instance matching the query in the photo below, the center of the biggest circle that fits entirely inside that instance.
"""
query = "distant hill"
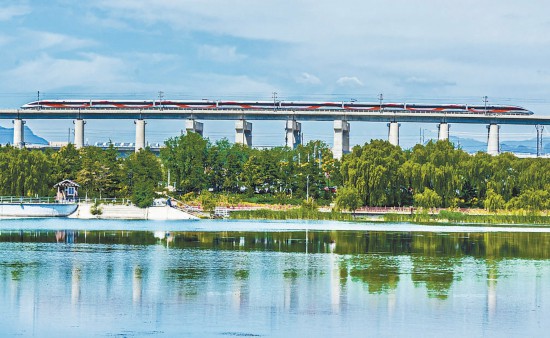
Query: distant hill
(520, 147)
(6, 136)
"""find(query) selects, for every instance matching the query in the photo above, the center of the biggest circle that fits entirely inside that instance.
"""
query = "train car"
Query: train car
(278, 105)
(436, 108)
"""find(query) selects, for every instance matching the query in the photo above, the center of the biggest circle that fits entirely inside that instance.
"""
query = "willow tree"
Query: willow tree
(374, 170)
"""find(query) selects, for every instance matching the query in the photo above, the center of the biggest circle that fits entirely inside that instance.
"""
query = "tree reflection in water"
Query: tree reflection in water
(380, 273)
(436, 273)
(378, 259)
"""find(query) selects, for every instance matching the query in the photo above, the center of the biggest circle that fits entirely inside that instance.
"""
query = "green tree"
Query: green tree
(348, 198)
(374, 170)
(531, 200)
(24, 172)
(208, 201)
(494, 201)
(67, 163)
(427, 199)
(186, 158)
(100, 173)
(143, 175)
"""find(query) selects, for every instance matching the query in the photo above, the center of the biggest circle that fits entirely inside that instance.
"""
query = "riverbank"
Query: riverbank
(442, 216)
(445, 216)
(130, 212)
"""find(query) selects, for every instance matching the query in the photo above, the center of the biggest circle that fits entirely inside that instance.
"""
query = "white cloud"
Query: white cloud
(403, 47)
(224, 54)
(40, 40)
(9, 12)
(349, 81)
(425, 82)
(229, 86)
(306, 78)
(324, 22)
(46, 73)
(107, 22)
(153, 57)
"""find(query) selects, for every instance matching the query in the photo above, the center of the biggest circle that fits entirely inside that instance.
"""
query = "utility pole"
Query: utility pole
(161, 97)
(485, 99)
(381, 98)
(274, 96)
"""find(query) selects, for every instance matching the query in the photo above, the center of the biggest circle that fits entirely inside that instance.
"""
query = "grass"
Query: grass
(296, 213)
(519, 217)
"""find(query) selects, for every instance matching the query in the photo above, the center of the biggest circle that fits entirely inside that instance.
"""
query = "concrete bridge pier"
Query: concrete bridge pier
(293, 131)
(443, 131)
(140, 134)
(341, 138)
(79, 133)
(18, 133)
(393, 133)
(243, 132)
(192, 126)
(493, 142)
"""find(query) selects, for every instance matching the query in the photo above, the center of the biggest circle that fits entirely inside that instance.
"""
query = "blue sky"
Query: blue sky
(415, 51)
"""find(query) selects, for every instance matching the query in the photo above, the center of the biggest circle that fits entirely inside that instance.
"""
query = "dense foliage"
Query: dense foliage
(438, 175)
(100, 173)
(196, 165)
(375, 174)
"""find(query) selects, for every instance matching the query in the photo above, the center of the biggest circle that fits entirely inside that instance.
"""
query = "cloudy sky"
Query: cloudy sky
(414, 51)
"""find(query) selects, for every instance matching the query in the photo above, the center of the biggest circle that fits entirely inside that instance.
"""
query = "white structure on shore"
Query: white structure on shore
(114, 211)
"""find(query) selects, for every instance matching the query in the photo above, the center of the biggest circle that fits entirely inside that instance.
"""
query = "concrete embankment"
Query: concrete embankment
(131, 212)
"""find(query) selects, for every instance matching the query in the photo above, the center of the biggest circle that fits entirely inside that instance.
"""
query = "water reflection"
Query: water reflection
(479, 245)
(435, 273)
(380, 273)
(230, 280)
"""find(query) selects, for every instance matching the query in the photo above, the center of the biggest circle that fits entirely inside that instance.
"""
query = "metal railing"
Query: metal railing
(20, 199)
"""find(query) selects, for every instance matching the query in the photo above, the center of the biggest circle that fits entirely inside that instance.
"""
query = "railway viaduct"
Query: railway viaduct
(243, 127)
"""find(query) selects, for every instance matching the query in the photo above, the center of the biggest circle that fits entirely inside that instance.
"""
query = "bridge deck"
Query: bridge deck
(301, 115)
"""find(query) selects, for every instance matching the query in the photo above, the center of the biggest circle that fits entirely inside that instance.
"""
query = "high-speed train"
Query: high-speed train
(277, 105)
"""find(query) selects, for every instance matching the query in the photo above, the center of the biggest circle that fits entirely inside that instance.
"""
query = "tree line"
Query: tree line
(375, 174)
(100, 173)
(439, 175)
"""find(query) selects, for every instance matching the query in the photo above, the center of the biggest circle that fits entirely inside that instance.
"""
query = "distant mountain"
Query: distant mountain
(6, 136)
(468, 145)
(519, 147)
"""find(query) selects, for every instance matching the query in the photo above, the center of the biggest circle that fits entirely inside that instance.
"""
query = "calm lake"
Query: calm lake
(63, 277)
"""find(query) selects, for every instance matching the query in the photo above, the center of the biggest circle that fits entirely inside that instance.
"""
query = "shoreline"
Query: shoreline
(276, 213)
(247, 226)
(130, 212)
(520, 218)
